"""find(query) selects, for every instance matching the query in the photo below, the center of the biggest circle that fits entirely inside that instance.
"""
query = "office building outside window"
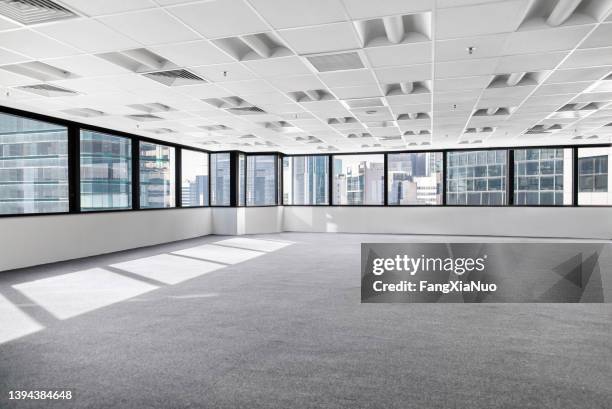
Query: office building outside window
(358, 179)
(33, 166)
(157, 176)
(543, 177)
(220, 181)
(261, 180)
(194, 178)
(414, 178)
(476, 178)
(106, 171)
(306, 180)
(594, 176)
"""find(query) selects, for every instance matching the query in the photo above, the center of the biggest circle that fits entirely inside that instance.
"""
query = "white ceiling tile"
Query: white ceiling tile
(482, 47)
(7, 25)
(220, 18)
(97, 8)
(224, 72)
(404, 73)
(297, 13)
(201, 52)
(275, 67)
(297, 83)
(359, 9)
(98, 38)
(566, 88)
(364, 91)
(529, 62)
(320, 39)
(87, 66)
(405, 54)
(464, 68)
(600, 37)
(579, 74)
(248, 87)
(549, 39)
(352, 78)
(480, 19)
(34, 45)
(150, 27)
(457, 84)
(9, 57)
(589, 58)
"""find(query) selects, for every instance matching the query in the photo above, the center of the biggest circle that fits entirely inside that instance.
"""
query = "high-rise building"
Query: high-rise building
(33, 166)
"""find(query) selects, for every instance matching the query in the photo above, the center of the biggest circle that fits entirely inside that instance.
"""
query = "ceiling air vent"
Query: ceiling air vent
(311, 95)
(84, 112)
(359, 135)
(364, 103)
(395, 29)
(542, 129)
(138, 60)
(485, 129)
(390, 138)
(407, 88)
(39, 71)
(417, 133)
(280, 126)
(413, 116)
(160, 131)
(175, 78)
(253, 46)
(341, 121)
(590, 106)
(151, 107)
(234, 105)
(144, 117)
(516, 79)
(336, 61)
(252, 110)
(493, 111)
(47, 90)
(215, 128)
(34, 11)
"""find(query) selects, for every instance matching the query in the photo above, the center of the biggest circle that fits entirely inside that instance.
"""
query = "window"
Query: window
(220, 179)
(33, 166)
(414, 178)
(593, 176)
(261, 180)
(106, 171)
(241, 179)
(157, 178)
(358, 179)
(194, 178)
(305, 180)
(543, 177)
(476, 178)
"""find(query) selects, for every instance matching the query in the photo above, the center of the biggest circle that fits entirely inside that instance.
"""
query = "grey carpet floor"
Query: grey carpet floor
(287, 330)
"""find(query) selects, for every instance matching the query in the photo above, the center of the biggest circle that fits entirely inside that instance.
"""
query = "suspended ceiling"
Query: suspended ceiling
(317, 76)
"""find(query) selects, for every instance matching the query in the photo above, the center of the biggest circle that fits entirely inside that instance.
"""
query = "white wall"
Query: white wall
(490, 221)
(27, 241)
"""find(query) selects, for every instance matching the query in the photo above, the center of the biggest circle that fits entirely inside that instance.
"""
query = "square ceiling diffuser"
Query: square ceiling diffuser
(34, 11)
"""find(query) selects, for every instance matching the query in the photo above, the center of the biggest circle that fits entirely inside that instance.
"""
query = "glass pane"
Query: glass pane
(481, 181)
(358, 179)
(415, 178)
(194, 178)
(550, 177)
(157, 178)
(106, 171)
(305, 180)
(220, 179)
(593, 176)
(33, 166)
(261, 180)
